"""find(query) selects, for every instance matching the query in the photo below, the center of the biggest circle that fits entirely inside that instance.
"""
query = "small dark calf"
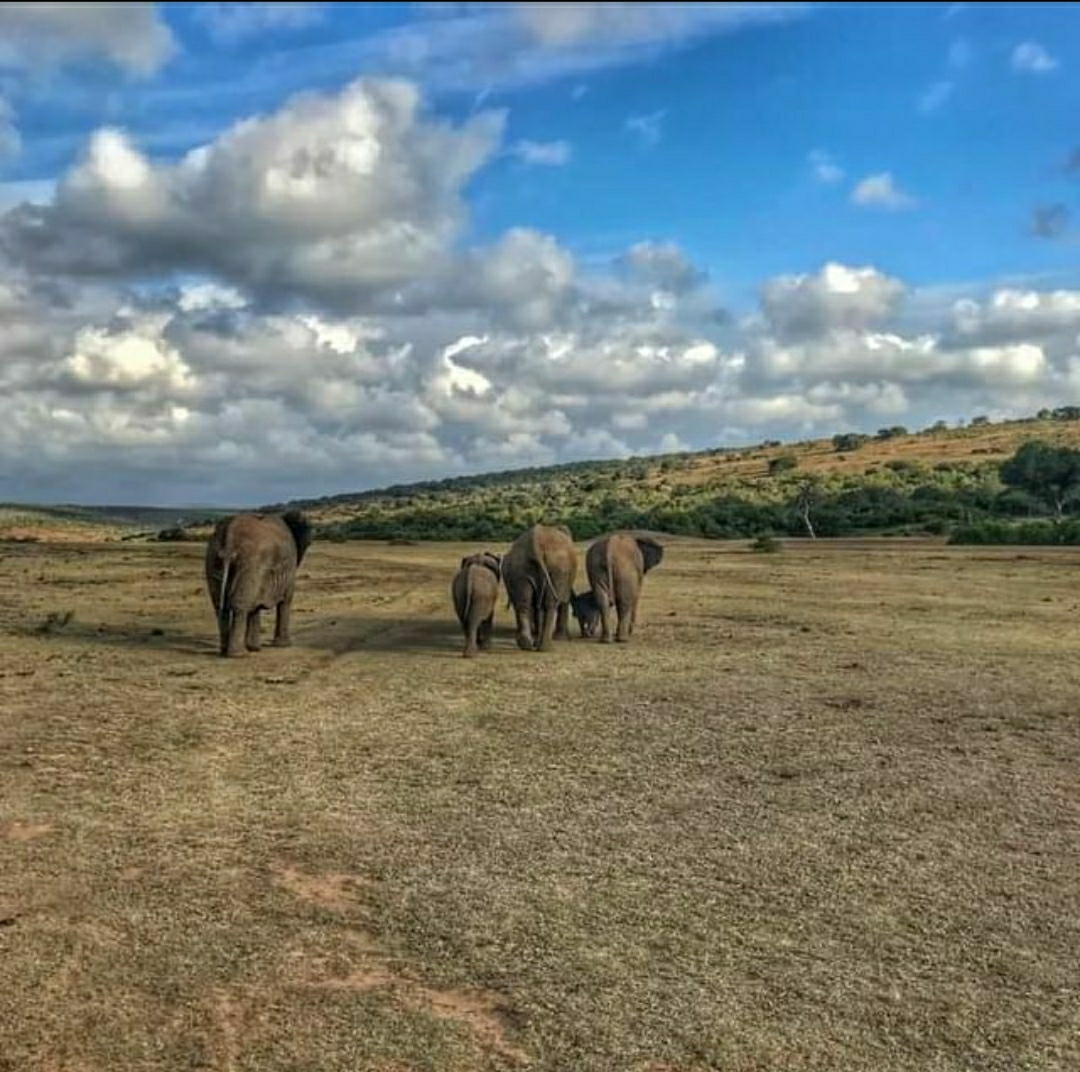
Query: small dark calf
(586, 611)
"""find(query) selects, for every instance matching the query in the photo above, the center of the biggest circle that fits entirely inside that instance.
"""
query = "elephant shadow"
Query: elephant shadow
(159, 638)
(347, 633)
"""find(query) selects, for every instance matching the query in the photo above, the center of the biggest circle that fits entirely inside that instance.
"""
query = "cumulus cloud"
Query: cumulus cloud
(335, 197)
(834, 297)
(663, 265)
(131, 36)
(1031, 58)
(1012, 315)
(543, 153)
(230, 23)
(824, 168)
(880, 191)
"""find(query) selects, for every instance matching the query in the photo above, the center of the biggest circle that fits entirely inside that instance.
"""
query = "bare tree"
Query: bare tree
(805, 499)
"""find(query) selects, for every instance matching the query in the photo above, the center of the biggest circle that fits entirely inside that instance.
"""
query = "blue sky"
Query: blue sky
(563, 231)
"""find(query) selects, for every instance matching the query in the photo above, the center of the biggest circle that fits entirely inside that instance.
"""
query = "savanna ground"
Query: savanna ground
(822, 813)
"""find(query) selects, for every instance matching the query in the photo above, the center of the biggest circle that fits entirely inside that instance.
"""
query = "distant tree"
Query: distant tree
(940, 426)
(849, 441)
(782, 463)
(805, 500)
(1045, 414)
(1047, 473)
(890, 433)
(1067, 413)
(980, 421)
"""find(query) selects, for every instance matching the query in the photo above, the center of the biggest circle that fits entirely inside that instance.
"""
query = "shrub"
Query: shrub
(782, 463)
(1008, 533)
(765, 544)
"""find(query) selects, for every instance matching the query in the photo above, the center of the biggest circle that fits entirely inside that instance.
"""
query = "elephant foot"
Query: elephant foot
(235, 654)
(544, 645)
(622, 640)
(282, 642)
(606, 639)
(524, 642)
(469, 653)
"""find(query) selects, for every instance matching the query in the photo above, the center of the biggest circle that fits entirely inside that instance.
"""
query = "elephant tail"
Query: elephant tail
(468, 596)
(543, 569)
(223, 590)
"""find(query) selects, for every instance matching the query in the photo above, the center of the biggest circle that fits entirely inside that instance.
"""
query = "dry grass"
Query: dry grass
(823, 813)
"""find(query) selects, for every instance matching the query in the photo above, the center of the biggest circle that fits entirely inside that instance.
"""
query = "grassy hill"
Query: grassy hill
(75, 523)
(893, 482)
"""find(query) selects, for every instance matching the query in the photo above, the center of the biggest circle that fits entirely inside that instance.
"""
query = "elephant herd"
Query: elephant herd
(539, 571)
(252, 561)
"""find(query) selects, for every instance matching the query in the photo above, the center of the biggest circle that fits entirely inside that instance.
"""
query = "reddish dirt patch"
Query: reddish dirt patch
(338, 892)
(25, 831)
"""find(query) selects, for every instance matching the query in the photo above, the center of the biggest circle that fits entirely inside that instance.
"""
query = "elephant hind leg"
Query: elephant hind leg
(486, 627)
(282, 637)
(625, 607)
(548, 614)
(253, 633)
(603, 601)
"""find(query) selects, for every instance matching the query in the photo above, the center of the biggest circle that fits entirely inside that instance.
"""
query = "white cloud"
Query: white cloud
(229, 23)
(543, 154)
(470, 46)
(1032, 58)
(647, 128)
(934, 97)
(334, 196)
(880, 191)
(131, 36)
(825, 169)
(837, 296)
(1012, 315)
(663, 265)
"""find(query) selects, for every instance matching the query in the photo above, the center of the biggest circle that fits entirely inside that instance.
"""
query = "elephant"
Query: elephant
(616, 566)
(475, 590)
(251, 564)
(586, 611)
(539, 572)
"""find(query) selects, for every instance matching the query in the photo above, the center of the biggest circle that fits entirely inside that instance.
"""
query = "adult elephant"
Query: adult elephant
(616, 566)
(251, 564)
(539, 572)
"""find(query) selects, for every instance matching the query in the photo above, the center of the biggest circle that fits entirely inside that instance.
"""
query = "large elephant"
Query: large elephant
(539, 572)
(616, 566)
(251, 564)
(475, 589)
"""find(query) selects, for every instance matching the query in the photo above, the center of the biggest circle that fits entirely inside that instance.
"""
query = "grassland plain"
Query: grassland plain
(822, 813)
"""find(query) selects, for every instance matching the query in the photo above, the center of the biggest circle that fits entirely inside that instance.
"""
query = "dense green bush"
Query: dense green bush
(1027, 532)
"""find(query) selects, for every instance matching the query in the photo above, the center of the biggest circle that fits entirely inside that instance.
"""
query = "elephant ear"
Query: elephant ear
(300, 528)
(652, 551)
(466, 562)
(493, 563)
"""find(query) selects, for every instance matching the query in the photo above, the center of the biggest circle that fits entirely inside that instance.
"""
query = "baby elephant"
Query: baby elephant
(475, 591)
(586, 611)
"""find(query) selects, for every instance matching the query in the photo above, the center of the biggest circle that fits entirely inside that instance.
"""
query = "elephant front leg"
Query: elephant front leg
(253, 635)
(282, 636)
(235, 645)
